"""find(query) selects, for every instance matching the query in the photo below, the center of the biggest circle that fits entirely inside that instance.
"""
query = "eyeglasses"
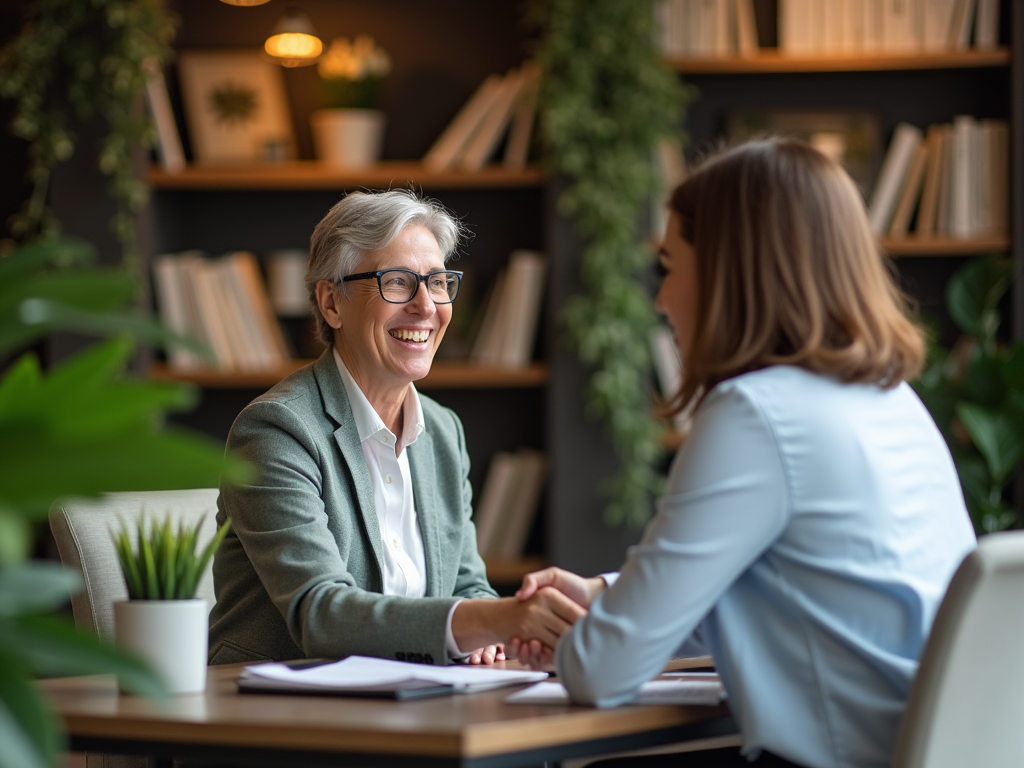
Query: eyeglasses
(399, 286)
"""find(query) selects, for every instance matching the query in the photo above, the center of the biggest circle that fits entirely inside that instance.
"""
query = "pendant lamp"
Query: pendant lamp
(294, 42)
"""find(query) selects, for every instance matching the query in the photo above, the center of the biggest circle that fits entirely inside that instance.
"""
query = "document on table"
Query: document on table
(671, 688)
(378, 678)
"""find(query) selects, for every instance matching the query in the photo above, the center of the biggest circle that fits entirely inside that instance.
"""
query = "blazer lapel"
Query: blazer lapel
(421, 464)
(336, 405)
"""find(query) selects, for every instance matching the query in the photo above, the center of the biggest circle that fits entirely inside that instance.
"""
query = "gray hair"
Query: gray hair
(368, 221)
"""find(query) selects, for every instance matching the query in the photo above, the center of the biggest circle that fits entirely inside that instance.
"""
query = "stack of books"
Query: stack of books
(511, 313)
(500, 106)
(222, 303)
(850, 27)
(508, 503)
(951, 182)
(707, 28)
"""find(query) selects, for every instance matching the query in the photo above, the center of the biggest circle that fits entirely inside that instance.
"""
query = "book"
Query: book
(999, 175)
(519, 509)
(517, 148)
(449, 145)
(960, 29)
(936, 24)
(986, 25)
(496, 490)
(487, 344)
(945, 195)
(911, 193)
(746, 28)
(168, 146)
(899, 26)
(492, 127)
(175, 314)
(238, 326)
(963, 189)
(928, 208)
(891, 178)
(524, 290)
(248, 271)
(364, 677)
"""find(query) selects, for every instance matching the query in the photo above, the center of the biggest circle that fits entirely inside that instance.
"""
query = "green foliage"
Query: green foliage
(975, 392)
(75, 60)
(81, 428)
(606, 99)
(164, 564)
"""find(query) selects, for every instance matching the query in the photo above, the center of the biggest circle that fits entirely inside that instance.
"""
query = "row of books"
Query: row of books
(707, 27)
(951, 182)
(502, 107)
(508, 502)
(511, 313)
(222, 302)
(886, 26)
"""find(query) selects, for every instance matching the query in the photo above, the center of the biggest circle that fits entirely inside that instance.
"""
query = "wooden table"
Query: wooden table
(476, 730)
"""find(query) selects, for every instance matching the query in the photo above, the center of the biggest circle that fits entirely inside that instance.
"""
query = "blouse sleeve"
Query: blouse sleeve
(725, 503)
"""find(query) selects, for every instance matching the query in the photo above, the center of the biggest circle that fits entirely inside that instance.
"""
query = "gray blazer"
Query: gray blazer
(300, 575)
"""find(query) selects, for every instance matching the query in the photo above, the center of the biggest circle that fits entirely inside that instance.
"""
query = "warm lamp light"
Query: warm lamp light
(294, 42)
(245, 2)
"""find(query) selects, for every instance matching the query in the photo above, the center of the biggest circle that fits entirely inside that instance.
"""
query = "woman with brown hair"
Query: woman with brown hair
(813, 518)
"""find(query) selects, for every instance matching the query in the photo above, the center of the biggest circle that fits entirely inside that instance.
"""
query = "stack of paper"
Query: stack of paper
(697, 688)
(362, 676)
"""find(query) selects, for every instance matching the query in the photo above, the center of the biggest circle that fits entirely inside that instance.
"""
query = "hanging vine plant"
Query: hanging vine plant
(607, 98)
(74, 60)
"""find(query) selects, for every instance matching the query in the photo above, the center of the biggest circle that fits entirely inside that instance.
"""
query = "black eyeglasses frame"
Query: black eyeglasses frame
(420, 279)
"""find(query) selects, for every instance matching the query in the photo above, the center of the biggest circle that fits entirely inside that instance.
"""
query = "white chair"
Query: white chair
(82, 529)
(966, 706)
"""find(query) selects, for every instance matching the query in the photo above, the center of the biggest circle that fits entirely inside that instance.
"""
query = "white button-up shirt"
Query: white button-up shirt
(405, 570)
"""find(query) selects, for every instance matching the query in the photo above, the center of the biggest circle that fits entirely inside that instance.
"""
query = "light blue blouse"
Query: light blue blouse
(806, 537)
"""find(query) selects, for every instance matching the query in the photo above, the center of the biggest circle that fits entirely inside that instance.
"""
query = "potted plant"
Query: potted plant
(975, 392)
(350, 130)
(162, 621)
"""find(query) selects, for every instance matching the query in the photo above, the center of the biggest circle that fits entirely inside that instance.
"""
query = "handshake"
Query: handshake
(525, 627)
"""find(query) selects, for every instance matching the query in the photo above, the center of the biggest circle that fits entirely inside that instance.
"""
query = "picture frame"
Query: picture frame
(235, 107)
(852, 137)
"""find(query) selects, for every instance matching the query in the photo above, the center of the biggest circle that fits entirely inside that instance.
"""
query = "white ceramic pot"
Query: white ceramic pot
(172, 635)
(348, 138)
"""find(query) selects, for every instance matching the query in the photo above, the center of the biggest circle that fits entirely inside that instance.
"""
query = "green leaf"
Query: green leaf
(983, 382)
(1000, 443)
(15, 537)
(973, 294)
(30, 735)
(36, 587)
(51, 646)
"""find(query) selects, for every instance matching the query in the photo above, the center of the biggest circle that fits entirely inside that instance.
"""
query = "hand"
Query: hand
(581, 590)
(531, 653)
(546, 615)
(488, 655)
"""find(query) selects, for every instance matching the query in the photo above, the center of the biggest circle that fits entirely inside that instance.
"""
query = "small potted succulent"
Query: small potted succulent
(350, 130)
(163, 621)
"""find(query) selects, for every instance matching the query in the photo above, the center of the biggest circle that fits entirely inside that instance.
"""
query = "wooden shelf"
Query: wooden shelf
(914, 246)
(770, 61)
(443, 375)
(512, 571)
(308, 174)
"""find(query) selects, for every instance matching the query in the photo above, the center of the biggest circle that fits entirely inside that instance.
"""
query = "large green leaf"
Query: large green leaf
(51, 646)
(973, 294)
(38, 255)
(29, 733)
(36, 587)
(998, 439)
(983, 382)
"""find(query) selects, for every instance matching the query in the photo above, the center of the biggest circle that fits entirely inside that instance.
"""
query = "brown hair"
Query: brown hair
(788, 272)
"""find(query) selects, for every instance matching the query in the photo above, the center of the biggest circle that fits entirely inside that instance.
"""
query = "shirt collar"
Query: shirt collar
(368, 423)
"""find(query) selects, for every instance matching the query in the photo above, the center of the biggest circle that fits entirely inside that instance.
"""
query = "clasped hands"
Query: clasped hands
(525, 627)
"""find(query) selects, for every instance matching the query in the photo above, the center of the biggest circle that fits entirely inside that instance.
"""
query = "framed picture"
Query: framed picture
(235, 107)
(853, 138)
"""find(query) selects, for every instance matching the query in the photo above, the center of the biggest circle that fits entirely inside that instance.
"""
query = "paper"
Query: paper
(361, 671)
(681, 688)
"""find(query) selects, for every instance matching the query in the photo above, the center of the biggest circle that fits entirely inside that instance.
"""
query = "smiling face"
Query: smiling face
(677, 298)
(387, 346)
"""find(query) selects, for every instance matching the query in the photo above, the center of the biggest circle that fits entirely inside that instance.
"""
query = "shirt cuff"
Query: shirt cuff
(609, 579)
(454, 652)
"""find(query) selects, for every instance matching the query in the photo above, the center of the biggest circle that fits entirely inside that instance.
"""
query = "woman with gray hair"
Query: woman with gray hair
(356, 537)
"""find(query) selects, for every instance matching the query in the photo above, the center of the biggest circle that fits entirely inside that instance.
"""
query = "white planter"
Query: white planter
(172, 635)
(348, 138)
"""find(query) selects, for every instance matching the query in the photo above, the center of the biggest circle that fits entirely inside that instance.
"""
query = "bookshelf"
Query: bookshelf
(768, 61)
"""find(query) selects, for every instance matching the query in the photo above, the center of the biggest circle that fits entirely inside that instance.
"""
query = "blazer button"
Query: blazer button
(400, 656)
